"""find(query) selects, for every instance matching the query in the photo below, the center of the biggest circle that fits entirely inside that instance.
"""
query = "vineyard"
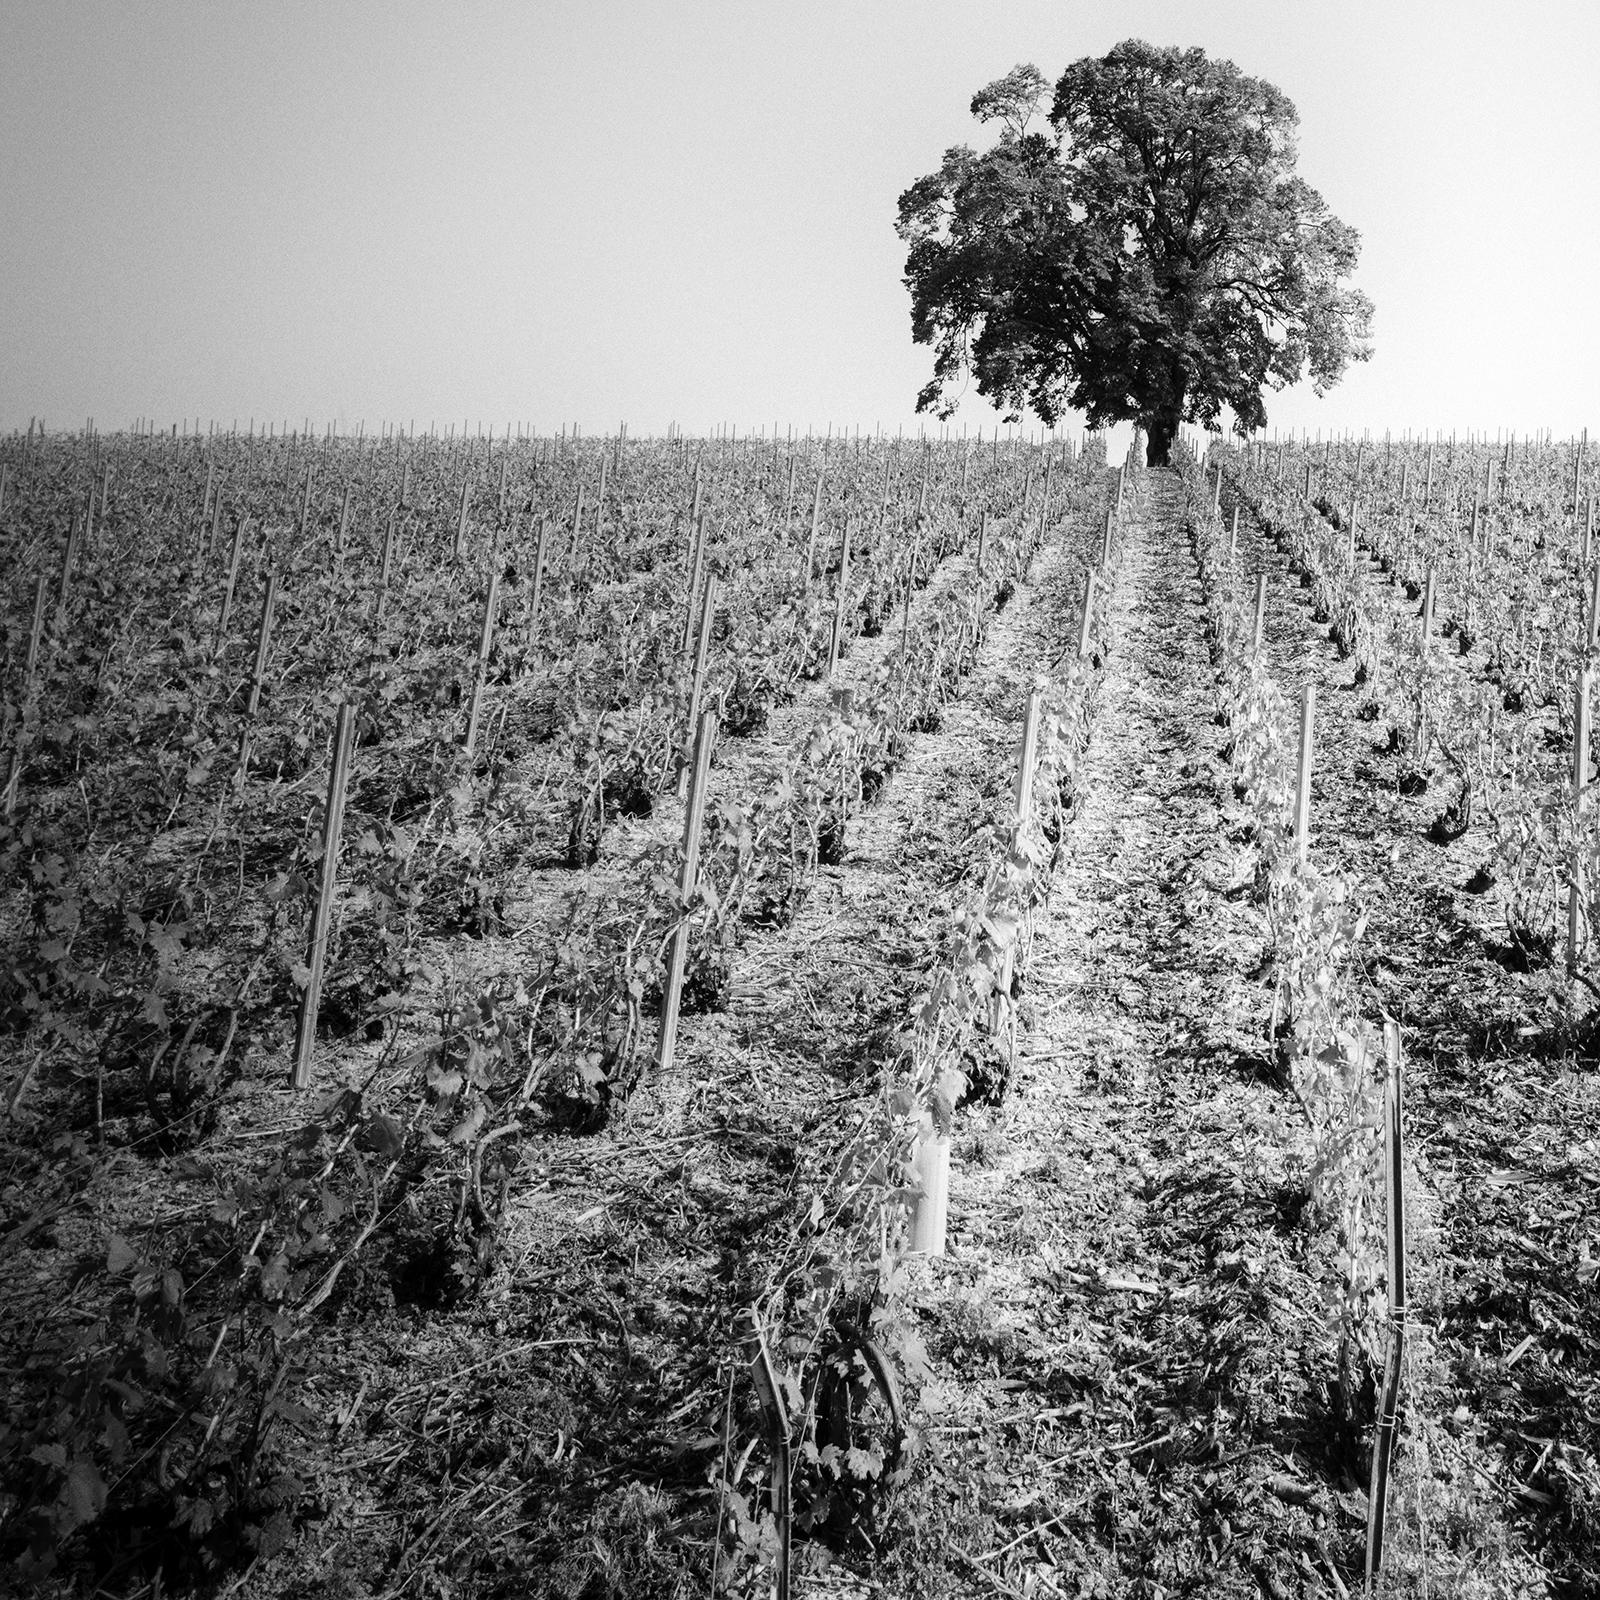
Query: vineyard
(837, 1016)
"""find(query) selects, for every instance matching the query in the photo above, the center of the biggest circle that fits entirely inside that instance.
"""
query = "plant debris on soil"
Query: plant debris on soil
(539, 1370)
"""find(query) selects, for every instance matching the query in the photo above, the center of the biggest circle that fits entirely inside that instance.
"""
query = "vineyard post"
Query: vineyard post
(539, 553)
(35, 634)
(1427, 611)
(697, 681)
(1580, 783)
(1233, 534)
(405, 481)
(67, 557)
(693, 819)
(1086, 620)
(1592, 637)
(838, 599)
(1306, 491)
(911, 583)
(577, 523)
(461, 522)
(1577, 481)
(600, 494)
(1427, 490)
(816, 519)
(696, 566)
(1405, 481)
(1027, 761)
(387, 564)
(344, 524)
(1302, 792)
(305, 507)
(983, 535)
(233, 580)
(305, 1032)
(258, 671)
(1216, 495)
(500, 501)
(1395, 1208)
(1261, 613)
(485, 640)
(5, 479)
(1105, 538)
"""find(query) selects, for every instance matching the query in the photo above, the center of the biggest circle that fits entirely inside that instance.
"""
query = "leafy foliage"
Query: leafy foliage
(1153, 257)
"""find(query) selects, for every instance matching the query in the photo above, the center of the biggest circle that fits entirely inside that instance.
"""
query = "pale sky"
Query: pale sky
(657, 212)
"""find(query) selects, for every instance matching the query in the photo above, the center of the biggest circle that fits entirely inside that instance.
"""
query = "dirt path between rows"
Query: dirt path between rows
(1127, 1332)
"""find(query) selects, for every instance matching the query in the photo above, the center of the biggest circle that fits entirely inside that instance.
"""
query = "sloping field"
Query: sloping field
(728, 830)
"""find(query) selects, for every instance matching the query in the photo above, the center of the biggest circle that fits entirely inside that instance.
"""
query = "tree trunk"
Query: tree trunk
(1161, 431)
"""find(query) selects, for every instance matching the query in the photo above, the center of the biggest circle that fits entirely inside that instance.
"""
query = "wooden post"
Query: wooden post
(911, 583)
(1592, 637)
(305, 506)
(1085, 622)
(35, 635)
(233, 580)
(1427, 611)
(332, 825)
(5, 480)
(1302, 793)
(1027, 762)
(983, 535)
(1216, 495)
(1233, 535)
(693, 820)
(344, 523)
(838, 599)
(539, 553)
(485, 640)
(696, 566)
(386, 565)
(816, 521)
(1261, 613)
(68, 556)
(697, 680)
(216, 527)
(1105, 539)
(461, 522)
(1395, 1207)
(1580, 784)
(405, 484)
(600, 494)
(263, 642)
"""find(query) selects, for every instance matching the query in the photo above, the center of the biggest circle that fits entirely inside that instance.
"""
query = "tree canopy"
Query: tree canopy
(1145, 252)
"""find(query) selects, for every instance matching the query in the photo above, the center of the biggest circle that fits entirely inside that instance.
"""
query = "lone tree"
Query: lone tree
(1151, 258)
